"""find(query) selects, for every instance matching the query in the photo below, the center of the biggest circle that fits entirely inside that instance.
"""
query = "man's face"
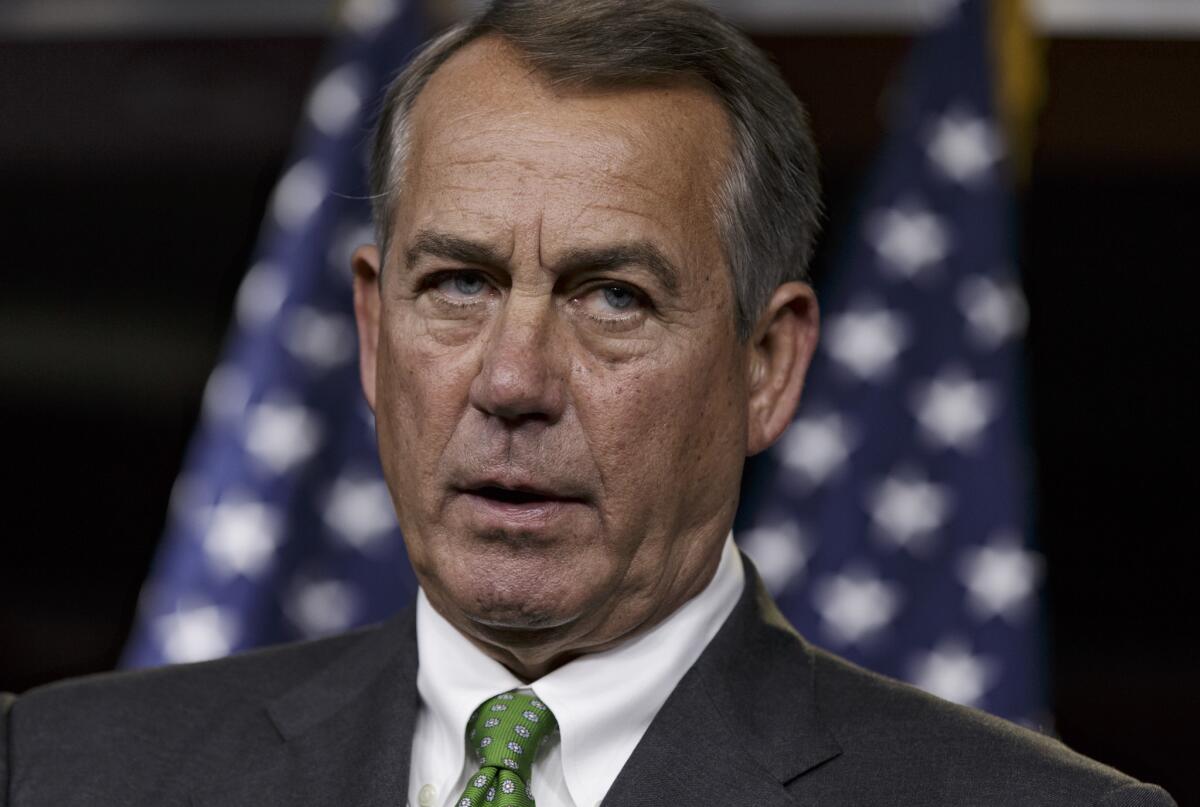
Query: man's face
(560, 396)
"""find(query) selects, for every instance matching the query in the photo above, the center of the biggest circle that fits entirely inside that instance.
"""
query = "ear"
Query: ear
(780, 351)
(367, 264)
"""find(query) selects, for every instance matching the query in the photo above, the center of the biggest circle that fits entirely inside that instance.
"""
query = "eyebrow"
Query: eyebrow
(636, 253)
(452, 248)
(464, 250)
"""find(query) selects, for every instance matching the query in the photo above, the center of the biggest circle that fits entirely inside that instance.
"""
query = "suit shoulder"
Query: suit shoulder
(249, 677)
(958, 754)
(92, 734)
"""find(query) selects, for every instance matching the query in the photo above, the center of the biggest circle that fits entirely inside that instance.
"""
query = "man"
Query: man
(587, 306)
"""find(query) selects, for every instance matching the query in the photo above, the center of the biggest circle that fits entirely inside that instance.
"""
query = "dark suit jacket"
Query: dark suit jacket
(762, 719)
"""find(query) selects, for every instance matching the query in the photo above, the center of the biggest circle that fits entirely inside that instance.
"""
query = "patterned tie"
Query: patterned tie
(505, 733)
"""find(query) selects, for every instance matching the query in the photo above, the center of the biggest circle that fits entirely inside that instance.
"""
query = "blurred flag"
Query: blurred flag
(280, 524)
(891, 521)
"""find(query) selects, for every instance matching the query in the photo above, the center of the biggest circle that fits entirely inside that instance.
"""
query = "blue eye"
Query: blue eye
(462, 284)
(619, 297)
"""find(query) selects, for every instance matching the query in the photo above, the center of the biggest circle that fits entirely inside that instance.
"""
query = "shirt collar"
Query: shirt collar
(604, 702)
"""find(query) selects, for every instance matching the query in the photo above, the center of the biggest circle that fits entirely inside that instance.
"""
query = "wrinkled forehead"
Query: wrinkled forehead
(486, 119)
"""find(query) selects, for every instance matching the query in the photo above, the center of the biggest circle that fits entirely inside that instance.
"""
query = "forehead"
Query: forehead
(488, 130)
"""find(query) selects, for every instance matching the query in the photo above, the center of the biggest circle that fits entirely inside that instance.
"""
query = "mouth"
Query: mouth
(502, 504)
(513, 496)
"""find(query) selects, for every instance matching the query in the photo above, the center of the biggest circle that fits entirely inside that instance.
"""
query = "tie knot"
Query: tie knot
(505, 732)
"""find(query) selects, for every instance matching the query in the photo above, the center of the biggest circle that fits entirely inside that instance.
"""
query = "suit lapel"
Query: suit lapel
(345, 734)
(742, 723)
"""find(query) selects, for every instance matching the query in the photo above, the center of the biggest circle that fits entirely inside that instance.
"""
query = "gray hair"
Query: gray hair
(768, 206)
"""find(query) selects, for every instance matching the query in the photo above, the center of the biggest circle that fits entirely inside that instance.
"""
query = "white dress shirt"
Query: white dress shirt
(604, 702)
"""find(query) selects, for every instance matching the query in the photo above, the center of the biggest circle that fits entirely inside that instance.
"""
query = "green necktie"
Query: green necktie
(504, 734)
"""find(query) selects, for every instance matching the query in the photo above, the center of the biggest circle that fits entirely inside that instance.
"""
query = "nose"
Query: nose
(519, 379)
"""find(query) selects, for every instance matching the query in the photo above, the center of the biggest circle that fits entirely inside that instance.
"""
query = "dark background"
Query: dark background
(133, 174)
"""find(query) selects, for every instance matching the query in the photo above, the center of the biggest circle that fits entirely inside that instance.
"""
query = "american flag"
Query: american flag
(890, 522)
(280, 525)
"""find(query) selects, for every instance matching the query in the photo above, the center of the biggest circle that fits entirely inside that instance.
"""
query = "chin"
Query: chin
(506, 617)
(523, 596)
(544, 605)
(515, 581)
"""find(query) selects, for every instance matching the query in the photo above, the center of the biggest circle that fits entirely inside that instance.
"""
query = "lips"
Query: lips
(514, 496)
(510, 486)
(510, 502)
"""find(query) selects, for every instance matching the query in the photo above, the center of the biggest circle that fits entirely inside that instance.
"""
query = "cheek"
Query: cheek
(666, 429)
(422, 389)
(707, 417)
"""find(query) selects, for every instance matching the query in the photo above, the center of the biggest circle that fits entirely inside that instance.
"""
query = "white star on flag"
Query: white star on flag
(350, 236)
(335, 101)
(186, 496)
(1001, 577)
(994, 312)
(866, 341)
(319, 339)
(241, 538)
(366, 15)
(950, 671)
(299, 193)
(198, 633)
(359, 512)
(779, 552)
(816, 446)
(909, 238)
(855, 605)
(953, 409)
(261, 294)
(226, 394)
(281, 435)
(908, 510)
(963, 147)
(322, 607)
